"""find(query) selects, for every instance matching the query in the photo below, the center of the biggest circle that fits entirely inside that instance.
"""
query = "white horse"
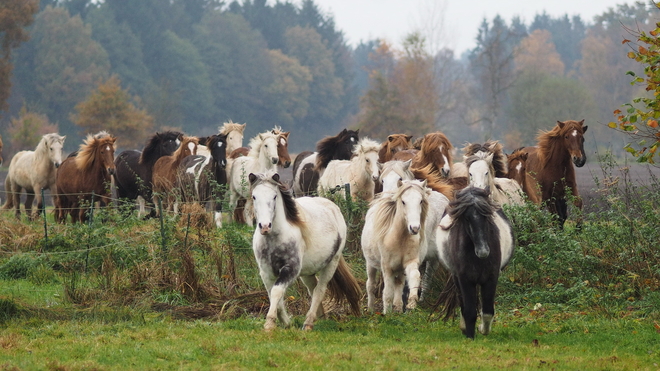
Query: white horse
(503, 191)
(391, 176)
(33, 171)
(394, 243)
(360, 172)
(261, 158)
(303, 238)
(234, 133)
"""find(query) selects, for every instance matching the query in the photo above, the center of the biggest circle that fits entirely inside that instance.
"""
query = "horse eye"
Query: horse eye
(274, 197)
(403, 202)
(368, 161)
(254, 198)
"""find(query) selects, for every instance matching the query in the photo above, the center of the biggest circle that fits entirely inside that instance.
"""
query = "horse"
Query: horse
(166, 172)
(393, 171)
(134, 169)
(436, 153)
(284, 159)
(33, 171)
(504, 191)
(475, 242)
(303, 238)
(233, 133)
(393, 144)
(309, 166)
(551, 162)
(499, 162)
(361, 171)
(85, 176)
(261, 158)
(517, 170)
(200, 175)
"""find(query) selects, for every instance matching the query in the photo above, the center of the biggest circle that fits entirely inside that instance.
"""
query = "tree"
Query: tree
(537, 53)
(289, 92)
(380, 109)
(26, 130)
(15, 16)
(640, 117)
(567, 35)
(110, 108)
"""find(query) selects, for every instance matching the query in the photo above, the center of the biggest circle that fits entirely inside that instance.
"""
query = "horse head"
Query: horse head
(393, 172)
(188, 146)
(436, 149)
(234, 134)
(573, 133)
(394, 144)
(264, 199)
(284, 159)
(345, 142)
(413, 198)
(480, 170)
(474, 208)
(217, 145)
(106, 153)
(517, 166)
(54, 143)
(367, 152)
(266, 144)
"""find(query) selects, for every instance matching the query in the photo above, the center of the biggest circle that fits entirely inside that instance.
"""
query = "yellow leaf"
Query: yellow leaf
(631, 55)
(612, 125)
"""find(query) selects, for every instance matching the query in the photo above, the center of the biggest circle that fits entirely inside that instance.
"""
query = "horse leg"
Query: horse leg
(29, 200)
(311, 282)
(487, 306)
(40, 203)
(397, 300)
(388, 289)
(273, 309)
(16, 190)
(431, 267)
(414, 279)
(562, 211)
(372, 286)
(468, 306)
(324, 276)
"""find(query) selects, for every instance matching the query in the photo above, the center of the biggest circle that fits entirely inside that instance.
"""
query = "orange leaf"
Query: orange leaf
(617, 111)
(652, 123)
(642, 50)
(625, 41)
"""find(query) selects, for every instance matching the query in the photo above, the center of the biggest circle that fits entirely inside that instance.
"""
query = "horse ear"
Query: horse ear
(524, 156)
(276, 177)
(252, 178)
(561, 124)
(584, 129)
(286, 134)
(399, 183)
(424, 182)
(409, 137)
(406, 164)
(489, 158)
(261, 136)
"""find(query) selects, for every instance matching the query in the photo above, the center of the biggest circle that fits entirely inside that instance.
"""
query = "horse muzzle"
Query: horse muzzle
(265, 229)
(482, 252)
(444, 172)
(413, 229)
(57, 164)
(579, 161)
(274, 160)
(287, 164)
(111, 170)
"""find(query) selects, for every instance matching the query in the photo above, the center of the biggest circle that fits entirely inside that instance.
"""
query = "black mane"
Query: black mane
(339, 147)
(153, 149)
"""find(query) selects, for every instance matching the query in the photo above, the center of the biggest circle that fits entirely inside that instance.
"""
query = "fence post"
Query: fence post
(162, 227)
(349, 199)
(45, 221)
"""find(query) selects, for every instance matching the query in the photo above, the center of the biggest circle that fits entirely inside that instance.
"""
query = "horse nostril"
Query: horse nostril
(57, 164)
(274, 160)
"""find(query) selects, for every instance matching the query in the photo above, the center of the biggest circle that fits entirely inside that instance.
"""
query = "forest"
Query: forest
(135, 67)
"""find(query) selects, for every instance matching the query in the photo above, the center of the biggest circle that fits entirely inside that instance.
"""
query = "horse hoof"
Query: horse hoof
(269, 326)
(308, 327)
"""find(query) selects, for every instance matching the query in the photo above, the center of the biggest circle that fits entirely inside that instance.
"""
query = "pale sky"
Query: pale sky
(393, 19)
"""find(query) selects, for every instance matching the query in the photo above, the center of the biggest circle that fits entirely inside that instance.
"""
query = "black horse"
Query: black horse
(202, 178)
(133, 168)
(308, 166)
(475, 242)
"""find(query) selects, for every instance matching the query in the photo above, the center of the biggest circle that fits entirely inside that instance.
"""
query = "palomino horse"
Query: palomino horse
(33, 171)
(133, 175)
(436, 153)
(166, 172)
(394, 143)
(550, 165)
(517, 170)
(360, 172)
(504, 191)
(261, 158)
(394, 243)
(85, 176)
(475, 242)
(309, 166)
(234, 134)
(200, 176)
(302, 238)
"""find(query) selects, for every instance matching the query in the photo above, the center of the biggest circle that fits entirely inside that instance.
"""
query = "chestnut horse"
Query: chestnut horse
(84, 177)
(517, 170)
(394, 143)
(436, 152)
(309, 166)
(165, 172)
(551, 165)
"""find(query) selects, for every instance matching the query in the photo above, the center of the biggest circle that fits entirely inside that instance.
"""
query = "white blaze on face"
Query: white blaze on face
(447, 165)
(178, 142)
(575, 133)
(282, 142)
(219, 144)
(191, 147)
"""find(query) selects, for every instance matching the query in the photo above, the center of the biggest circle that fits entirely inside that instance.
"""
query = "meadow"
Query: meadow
(125, 293)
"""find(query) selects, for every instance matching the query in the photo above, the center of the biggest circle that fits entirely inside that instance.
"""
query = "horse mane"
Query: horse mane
(547, 139)
(151, 151)
(230, 126)
(393, 141)
(480, 156)
(516, 154)
(430, 145)
(87, 152)
(365, 145)
(499, 162)
(290, 207)
(433, 180)
(471, 197)
(325, 147)
(256, 141)
(41, 150)
(386, 204)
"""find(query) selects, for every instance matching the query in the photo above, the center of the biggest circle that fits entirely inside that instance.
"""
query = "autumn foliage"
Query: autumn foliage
(110, 108)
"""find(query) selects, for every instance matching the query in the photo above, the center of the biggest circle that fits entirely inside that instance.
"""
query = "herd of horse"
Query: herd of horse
(424, 208)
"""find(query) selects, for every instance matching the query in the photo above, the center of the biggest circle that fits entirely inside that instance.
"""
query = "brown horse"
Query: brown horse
(550, 165)
(165, 171)
(393, 144)
(85, 176)
(517, 170)
(436, 151)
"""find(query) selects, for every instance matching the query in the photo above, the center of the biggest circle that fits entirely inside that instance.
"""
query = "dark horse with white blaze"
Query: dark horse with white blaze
(134, 168)
(309, 166)
(475, 242)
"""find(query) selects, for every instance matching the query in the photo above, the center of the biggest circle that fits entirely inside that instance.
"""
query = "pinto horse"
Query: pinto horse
(475, 242)
(551, 162)
(166, 172)
(309, 166)
(394, 143)
(33, 171)
(304, 238)
(361, 171)
(133, 175)
(517, 170)
(84, 176)
(200, 176)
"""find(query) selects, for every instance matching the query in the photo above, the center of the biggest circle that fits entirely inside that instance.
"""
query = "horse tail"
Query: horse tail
(343, 285)
(449, 298)
(9, 203)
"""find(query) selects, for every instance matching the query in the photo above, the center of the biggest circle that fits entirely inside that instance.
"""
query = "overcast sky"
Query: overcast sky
(393, 19)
